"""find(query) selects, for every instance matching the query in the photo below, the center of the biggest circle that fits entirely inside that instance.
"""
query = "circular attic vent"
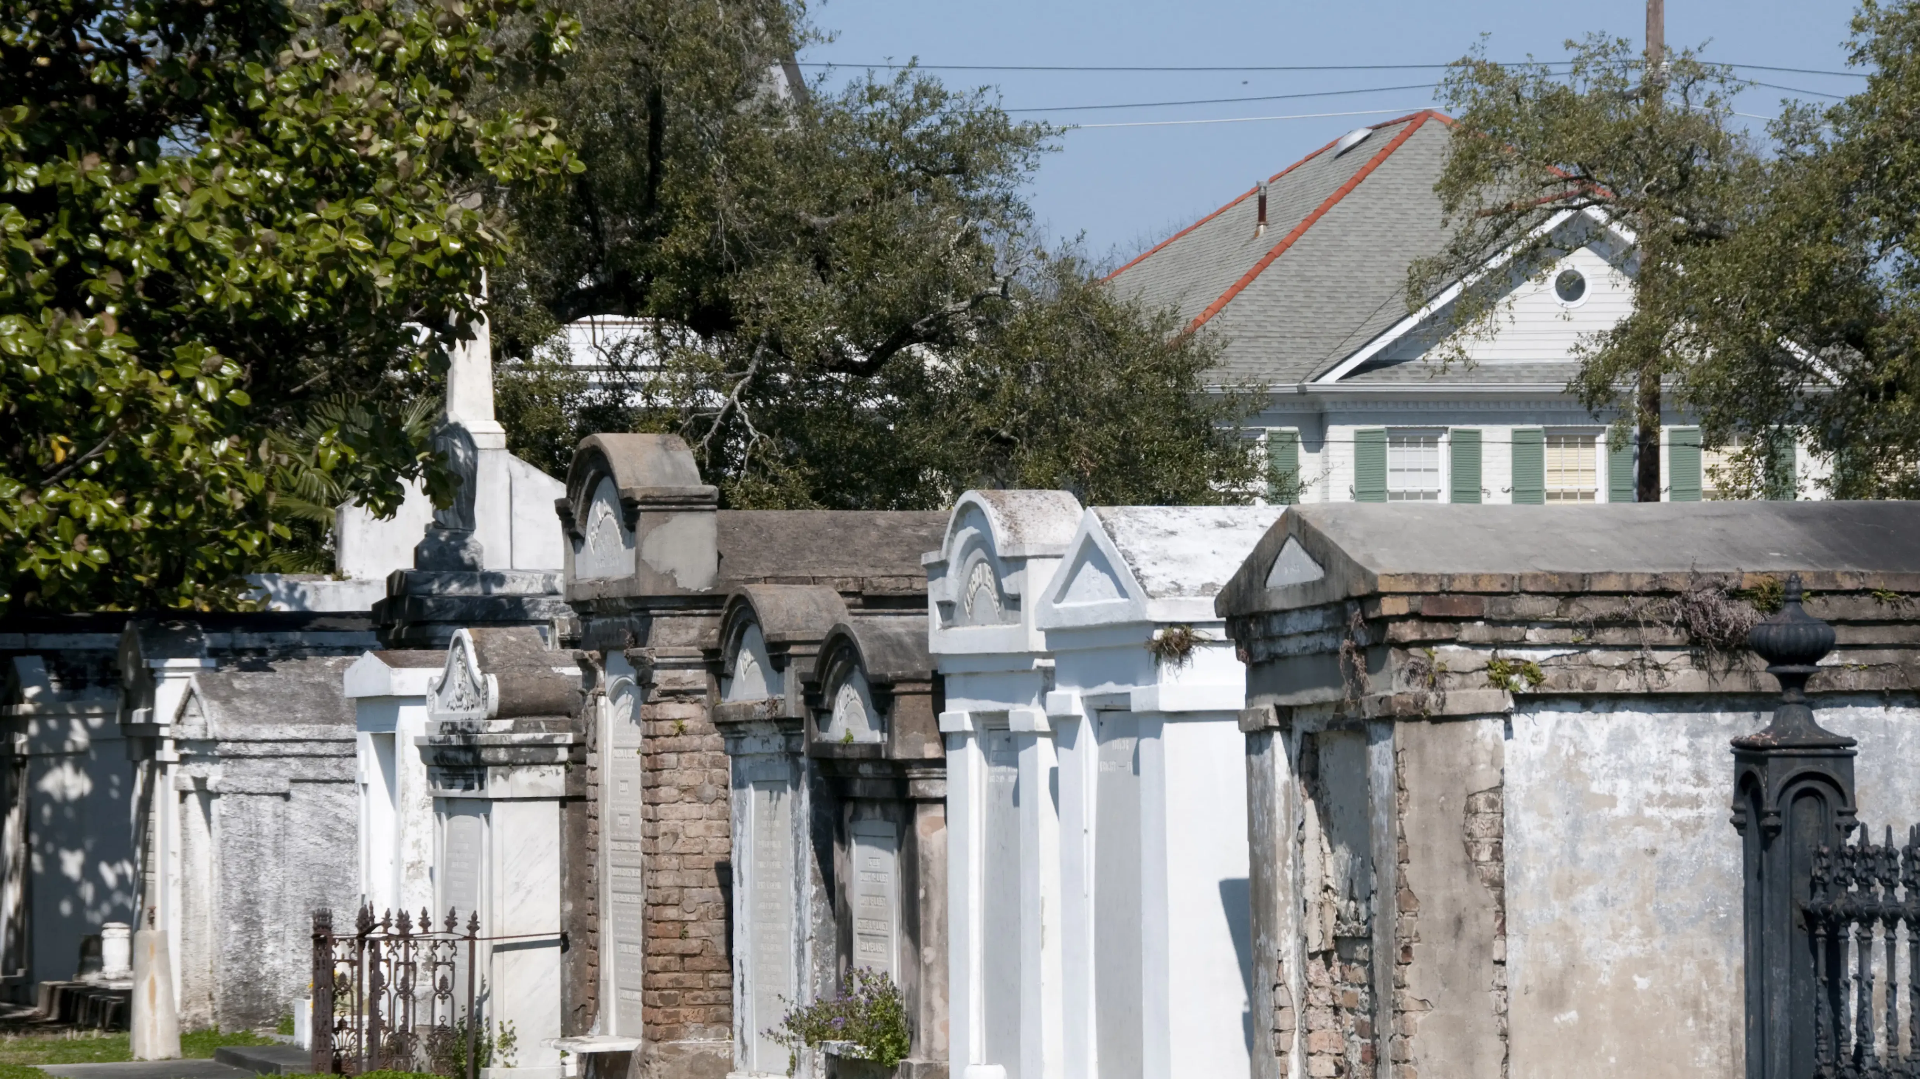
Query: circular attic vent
(1570, 286)
(1351, 139)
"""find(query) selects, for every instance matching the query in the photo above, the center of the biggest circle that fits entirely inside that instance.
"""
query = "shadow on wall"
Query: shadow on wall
(78, 837)
(1236, 897)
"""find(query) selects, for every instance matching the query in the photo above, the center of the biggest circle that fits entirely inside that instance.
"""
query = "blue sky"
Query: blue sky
(1123, 188)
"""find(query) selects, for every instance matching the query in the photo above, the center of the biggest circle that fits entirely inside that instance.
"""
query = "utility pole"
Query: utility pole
(1656, 36)
(1646, 485)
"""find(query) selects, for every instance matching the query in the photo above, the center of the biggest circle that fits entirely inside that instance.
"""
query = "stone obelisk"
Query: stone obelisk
(467, 434)
(464, 568)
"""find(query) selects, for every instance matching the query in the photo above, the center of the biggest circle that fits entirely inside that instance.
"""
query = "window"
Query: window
(1571, 287)
(1716, 471)
(1571, 472)
(1413, 468)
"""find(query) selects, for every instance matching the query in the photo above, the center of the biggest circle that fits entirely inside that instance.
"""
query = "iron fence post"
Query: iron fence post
(320, 1030)
(1793, 795)
(473, 1021)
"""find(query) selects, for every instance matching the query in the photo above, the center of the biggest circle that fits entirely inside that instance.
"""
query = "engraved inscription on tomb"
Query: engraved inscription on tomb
(876, 846)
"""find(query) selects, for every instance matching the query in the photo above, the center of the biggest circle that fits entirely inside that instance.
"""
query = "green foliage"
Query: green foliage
(1514, 676)
(212, 217)
(1767, 595)
(285, 1026)
(844, 307)
(64, 1048)
(200, 1044)
(90, 1048)
(1812, 311)
(872, 1018)
(1654, 152)
(20, 1071)
(343, 446)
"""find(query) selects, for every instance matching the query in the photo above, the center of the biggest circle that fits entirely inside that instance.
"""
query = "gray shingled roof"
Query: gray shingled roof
(1339, 284)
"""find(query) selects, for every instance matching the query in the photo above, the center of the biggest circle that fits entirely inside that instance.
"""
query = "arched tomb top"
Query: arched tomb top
(764, 628)
(506, 674)
(638, 519)
(645, 469)
(978, 577)
(887, 649)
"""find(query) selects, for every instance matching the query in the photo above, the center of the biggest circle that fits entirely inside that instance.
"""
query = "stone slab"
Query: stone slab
(267, 1059)
(149, 1069)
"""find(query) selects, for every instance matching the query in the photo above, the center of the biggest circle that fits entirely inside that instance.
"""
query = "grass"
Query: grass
(200, 1044)
(22, 1052)
(64, 1048)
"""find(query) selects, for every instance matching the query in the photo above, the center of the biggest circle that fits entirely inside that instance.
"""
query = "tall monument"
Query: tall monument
(492, 557)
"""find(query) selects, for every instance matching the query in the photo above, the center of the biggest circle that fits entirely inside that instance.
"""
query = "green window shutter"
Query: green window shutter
(1620, 485)
(1466, 464)
(1783, 474)
(1683, 464)
(1283, 459)
(1529, 466)
(1370, 465)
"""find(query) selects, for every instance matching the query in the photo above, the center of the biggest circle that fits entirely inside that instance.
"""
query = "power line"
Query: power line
(1229, 100)
(1791, 90)
(1259, 68)
(1241, 119)
(1315, 93)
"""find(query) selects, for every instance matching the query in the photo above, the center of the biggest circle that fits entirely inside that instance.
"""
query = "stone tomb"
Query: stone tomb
(1155, 950)
(875, 739)
(389, 692)
(257, 810)
(785, 935)
(503, 725)
(651, 565)
(839, 816)
(1489, 772)
(983, 587)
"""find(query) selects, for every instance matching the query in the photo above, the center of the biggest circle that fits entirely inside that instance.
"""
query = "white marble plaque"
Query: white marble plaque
(605, 548)
(463, 839)
(1000, 903)
(770, 920)
(876, 847)
(626, 888)
(1118, 987)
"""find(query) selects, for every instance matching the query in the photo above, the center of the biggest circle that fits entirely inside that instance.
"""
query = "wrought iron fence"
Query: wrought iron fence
(390, 995)
(1863, 910)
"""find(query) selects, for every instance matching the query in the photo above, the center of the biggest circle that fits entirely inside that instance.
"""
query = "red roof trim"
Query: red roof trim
(1243, 197)
(1320, 211)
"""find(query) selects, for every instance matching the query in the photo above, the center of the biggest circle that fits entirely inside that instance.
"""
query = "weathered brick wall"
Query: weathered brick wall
(580, 870)
(1340, 1009)
(688, 1006)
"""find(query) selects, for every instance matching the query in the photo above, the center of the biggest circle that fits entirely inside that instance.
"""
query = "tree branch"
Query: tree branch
(67, 469)
(921, 330)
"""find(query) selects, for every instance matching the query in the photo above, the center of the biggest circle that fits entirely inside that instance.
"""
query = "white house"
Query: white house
(1305, 277)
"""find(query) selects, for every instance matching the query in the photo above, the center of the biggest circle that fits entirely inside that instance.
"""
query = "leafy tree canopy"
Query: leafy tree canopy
(845, 302)
(217, 218)
(1811, 312)
(1653, 151)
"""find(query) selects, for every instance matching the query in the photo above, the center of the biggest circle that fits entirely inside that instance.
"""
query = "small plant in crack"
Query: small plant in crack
(1514, 676)
(1174, 644)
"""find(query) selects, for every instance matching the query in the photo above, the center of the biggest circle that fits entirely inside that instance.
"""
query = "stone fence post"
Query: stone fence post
(1793, 795)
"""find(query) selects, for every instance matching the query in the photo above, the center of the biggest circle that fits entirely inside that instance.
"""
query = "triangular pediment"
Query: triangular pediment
(1092, 578)
(1578, 285)
(1293, 566)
